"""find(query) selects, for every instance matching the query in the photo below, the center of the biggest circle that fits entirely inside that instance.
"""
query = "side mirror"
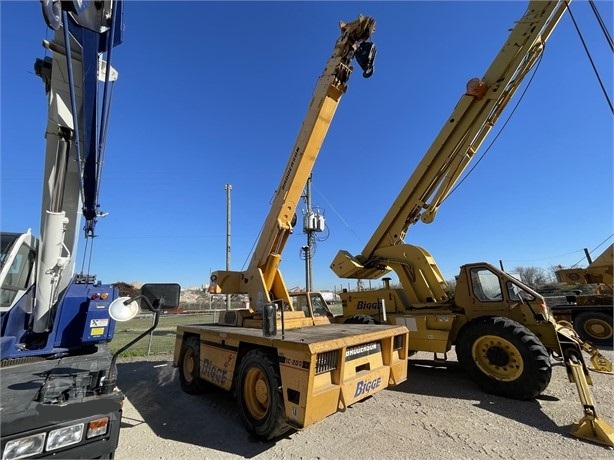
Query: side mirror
(269, 320)
(153, 297)
(123, 309)
(161, 296)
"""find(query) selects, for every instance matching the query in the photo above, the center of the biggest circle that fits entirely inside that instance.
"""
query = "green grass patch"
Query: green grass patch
(162, 340)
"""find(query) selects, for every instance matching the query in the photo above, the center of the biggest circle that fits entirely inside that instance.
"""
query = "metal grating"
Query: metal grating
(326, 362)
(228, 318)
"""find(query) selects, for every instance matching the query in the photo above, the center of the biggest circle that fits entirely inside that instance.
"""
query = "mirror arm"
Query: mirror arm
(111, 379)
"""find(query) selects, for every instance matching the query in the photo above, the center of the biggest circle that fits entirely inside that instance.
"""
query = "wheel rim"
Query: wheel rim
(256, 393)
(598, 328)
(497, 357)
(189, 364)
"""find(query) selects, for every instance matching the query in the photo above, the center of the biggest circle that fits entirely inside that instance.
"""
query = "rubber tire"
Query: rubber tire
(605, 320)
(189, 367)
(360, 319)
(256, 368)
(535, 371)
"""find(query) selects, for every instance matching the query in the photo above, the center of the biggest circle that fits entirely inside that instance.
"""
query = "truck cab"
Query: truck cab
(18, 261)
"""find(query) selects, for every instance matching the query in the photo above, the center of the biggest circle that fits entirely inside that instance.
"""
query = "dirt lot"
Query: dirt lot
(437, 413)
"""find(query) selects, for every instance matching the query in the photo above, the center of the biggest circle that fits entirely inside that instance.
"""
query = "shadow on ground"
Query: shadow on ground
(152, 387)
(449, 380)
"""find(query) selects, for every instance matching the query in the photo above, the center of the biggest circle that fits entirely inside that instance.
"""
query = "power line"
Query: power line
(590, 58)
(593, 250)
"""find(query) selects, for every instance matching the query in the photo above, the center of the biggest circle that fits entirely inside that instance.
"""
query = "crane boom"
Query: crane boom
(458, 141)
(75, 137)
(56, 325)
(503, 331)
(262, 280)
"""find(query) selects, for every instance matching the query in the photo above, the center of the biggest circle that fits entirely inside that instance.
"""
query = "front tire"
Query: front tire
(594, 327)
(260, 397)
(504, 357)
(189, 367)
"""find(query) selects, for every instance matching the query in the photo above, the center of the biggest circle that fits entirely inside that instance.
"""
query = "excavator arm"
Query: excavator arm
(263, 281)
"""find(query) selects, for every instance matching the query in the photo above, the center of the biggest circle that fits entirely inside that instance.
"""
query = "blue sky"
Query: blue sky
(214, 93)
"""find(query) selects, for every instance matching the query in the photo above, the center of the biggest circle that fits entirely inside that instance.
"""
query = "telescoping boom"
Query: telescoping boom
(315, 367)
(503, 332)
(263, 280)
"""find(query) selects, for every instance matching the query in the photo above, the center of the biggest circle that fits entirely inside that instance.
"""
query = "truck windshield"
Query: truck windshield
(19, 274)
(6, 242)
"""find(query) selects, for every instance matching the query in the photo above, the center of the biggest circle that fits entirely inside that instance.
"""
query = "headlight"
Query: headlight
(24, 447)
(65, 436)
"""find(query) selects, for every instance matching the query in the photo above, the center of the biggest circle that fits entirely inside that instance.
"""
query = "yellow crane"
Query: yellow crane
(315, 367)
(503, 332)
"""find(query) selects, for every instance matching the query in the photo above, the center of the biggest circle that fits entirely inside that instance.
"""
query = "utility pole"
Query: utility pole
(313, 221)
(228, 188)
(308, 231)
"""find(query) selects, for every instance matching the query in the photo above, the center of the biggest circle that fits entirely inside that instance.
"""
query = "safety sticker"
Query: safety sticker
(101, 322)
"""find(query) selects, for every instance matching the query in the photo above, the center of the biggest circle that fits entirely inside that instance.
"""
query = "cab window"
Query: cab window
(318, 305)
(485, 285)
(18, 276)
(299, 303)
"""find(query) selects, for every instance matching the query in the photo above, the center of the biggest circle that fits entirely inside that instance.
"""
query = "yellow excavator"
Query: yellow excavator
(504, 334)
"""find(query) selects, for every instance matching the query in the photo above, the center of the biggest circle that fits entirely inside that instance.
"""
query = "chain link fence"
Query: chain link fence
(204, 310)
(161, 339)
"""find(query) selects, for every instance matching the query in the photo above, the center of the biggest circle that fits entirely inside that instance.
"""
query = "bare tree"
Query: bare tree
(451, 284)
(535, 277)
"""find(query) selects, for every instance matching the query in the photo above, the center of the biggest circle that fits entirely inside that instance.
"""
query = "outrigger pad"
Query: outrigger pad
(594, 430)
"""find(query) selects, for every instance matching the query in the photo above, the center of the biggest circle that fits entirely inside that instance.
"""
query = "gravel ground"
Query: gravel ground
(437, 413)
